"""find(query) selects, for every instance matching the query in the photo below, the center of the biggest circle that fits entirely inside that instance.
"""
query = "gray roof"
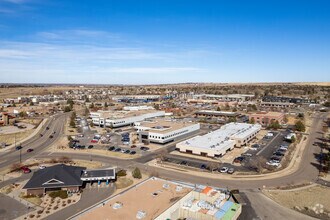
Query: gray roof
(55, 176)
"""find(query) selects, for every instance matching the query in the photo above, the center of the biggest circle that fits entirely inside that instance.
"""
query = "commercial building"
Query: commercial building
(218, 114)
(218, 142)
(287, 99)
(164, 131)
(122, 118)
(266, 118)
(137, 98)
(277, 104)
(63, 177)
(138, 108)
(229, 97)
(160, 199)
(204, 202)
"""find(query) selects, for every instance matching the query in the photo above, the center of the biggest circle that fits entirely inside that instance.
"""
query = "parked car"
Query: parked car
(127, 151)
(94, 141)
(126, 143)
(276, 159)
(282, 149)
(231, 170)
(41, 167)
(224, 170)
(203, 167)
(123, 150)
(80, 135)
(90, 146)
(133, 152)
(144, 148)
(117, 149)
(112, 148)
(255, 147)
(273, 163)
(184, 163)
(246, 155)
(278, 153)
(29, 150)
(133, 146)
(18, 147)
(25, 170)
(239, 159)
(51, 136)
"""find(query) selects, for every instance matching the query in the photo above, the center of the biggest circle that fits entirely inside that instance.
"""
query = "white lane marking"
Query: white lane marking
(268, 144)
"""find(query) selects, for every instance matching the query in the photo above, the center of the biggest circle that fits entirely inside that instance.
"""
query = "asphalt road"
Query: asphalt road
(307, 172)
(37, 143)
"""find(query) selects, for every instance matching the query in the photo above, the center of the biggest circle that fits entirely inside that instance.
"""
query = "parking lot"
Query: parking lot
(245, 162)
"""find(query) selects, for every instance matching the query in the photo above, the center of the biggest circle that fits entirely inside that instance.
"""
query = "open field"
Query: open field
(14, 92)
(10, 138)
(307, 199)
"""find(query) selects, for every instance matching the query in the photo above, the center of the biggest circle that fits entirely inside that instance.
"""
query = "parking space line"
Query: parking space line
(268, 144)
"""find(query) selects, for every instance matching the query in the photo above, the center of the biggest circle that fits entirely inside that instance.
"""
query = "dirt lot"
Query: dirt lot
(312, 200)
(10, 138)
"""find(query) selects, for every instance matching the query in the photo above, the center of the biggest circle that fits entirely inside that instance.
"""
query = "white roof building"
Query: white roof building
(218, 142)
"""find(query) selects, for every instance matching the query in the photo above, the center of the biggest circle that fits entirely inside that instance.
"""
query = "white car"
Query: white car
(224, 170)
(41, 167)
(273, 163)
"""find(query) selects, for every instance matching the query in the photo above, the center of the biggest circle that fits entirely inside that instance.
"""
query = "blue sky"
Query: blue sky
(164, 41)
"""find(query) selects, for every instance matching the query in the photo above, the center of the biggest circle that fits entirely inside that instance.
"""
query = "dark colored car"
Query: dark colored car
(278, 153)
(276, 158)
(111, 148)
(51, 136)
(238, 159)
(127, 152)
(117, 149)
(203, 167)
(29, 150)
(90, 146)
(184, 163)
(133, 152)
(18, 147)
(144, 148)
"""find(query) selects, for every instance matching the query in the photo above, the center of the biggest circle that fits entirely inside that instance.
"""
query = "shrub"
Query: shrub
(69, 201)
(40, 212)
(137, 173)
(31, 216)
(47, 212)
(56, 207)
(121, 173)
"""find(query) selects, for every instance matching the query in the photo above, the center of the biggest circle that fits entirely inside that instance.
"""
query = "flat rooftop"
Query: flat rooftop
(163, 126)
(268, 114)
(152, 197)
(223, 137)
(124, 114)
(98, 173)
(222, 113)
